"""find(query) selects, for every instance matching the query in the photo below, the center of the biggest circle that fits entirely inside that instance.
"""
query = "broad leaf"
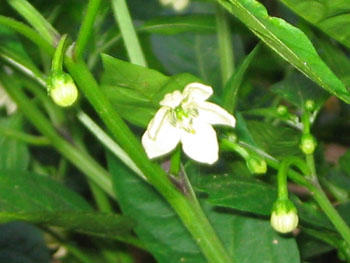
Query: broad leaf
(169, 241)
(288, 41)
(39, 199)
(331, 16)
(136, 91)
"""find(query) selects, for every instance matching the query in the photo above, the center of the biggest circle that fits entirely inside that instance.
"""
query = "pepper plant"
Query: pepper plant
(107, 150)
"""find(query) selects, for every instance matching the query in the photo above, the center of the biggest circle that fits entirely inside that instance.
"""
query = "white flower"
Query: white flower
(7, 102)
(187, 118)
(178, 5)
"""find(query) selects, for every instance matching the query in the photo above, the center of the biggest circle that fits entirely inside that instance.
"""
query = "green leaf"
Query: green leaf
(170, 25)
(38, 199)
(167, 239)
(331, 16)
(279, 141)
(194, 53)
(14, 154)
(297, 89)
(22, 243)
(136, 91)
(288, 41)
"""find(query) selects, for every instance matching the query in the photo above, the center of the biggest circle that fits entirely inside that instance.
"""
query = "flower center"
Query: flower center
(182, 117)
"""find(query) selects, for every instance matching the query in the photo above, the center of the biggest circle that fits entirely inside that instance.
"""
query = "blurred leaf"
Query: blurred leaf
(241, 193)
(310, 247)
(170, 25)
(169, 241)
(288, 41)
(336, 58)
(233, 84)
(22, 243)
(344, 163)
(189, 52)
(136, 91)
(38, 199)
(279, 141)
(14, 154)
(331, 16)
(297, 89)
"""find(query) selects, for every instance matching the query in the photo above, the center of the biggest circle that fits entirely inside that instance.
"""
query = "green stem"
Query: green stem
(282, 174)
(175, 162)
(27, 138)
(225, 45)
(35, 19)
(28, 32)
(316, 191)
(86, 27)
(57, 60)
(132, 45)
(80, 159)
(108, 142)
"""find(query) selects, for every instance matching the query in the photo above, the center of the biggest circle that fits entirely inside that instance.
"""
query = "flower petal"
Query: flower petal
(155, 124)
(214, 114)
(165, 140)
(172, 100)
(180, 4)
(197, 92)
(202, 145)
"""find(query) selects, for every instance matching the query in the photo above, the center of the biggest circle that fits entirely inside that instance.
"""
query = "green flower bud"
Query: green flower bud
(232, 137)
(282, 110)
(310, 105)
(284, 217)
(256, 165)
(308, 144)
(62, 89)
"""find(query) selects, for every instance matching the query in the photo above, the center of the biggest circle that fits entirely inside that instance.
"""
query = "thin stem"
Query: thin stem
(175, 162)
(108, 142)
(225, 44)
(28, 32)
(86, 28)
(282, 174)
(34, 18)
(59, 55)
(24, 137)
(80, 159)
(132, 45)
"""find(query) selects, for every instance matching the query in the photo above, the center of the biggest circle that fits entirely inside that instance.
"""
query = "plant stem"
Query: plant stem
(86, 28)
(33, 17)
(80, 159)
(316, 191)
(108, 142)
(225, 45)
(132, 45)
(27, 138)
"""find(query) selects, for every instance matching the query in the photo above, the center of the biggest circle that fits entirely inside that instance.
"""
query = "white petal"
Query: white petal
(197, 92)
(214, 114)
(166, 139)
(180, 4)
(155, 124)
(172, 100)
(202, 145)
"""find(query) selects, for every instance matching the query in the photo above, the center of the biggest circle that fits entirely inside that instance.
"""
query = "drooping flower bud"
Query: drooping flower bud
(256, 164)
(282, 110)
(62, 89)
(284, 217)
(308, 143)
